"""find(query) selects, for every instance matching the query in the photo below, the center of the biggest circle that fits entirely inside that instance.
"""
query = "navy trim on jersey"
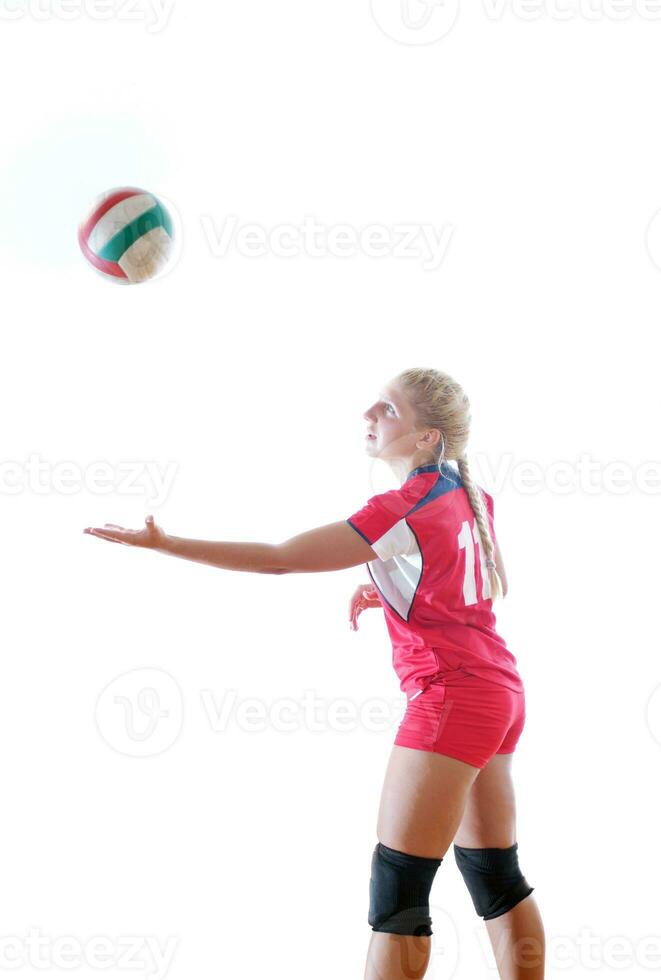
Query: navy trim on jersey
(430, 468)
(448, 480)
(443, 470)
(351, 524)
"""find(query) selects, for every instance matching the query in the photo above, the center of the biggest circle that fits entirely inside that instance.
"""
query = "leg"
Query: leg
(489, 820)
(423, 798)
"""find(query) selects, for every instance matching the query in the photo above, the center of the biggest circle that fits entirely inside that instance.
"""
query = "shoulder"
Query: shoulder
(391, 505)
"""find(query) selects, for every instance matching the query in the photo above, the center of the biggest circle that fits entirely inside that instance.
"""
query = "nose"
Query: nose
(368, 415)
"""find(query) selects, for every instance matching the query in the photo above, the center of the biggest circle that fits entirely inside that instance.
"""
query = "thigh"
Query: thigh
(489, 818)
(422, 802)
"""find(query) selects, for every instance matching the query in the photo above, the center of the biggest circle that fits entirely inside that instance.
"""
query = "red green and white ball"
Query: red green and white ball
(127, 236)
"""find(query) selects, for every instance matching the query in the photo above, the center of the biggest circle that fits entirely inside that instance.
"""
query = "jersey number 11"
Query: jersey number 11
(469, 541)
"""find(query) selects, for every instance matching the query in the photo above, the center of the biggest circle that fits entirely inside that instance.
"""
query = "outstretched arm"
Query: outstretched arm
(323, 549)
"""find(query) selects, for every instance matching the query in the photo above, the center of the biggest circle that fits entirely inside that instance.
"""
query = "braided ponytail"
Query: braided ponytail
(482, 519)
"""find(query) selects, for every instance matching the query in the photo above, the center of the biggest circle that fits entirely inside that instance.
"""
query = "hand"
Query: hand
(151, 535)
(365, 597)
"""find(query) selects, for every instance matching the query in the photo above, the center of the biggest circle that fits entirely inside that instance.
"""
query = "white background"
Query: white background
(534, 137)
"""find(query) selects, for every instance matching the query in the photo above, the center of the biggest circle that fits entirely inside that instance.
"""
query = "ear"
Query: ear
(431, 438)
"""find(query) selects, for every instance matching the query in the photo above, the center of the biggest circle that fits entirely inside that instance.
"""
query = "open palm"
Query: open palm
(150, 536)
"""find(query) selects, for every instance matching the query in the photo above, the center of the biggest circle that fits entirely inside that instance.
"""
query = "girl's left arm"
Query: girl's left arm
(323, 549)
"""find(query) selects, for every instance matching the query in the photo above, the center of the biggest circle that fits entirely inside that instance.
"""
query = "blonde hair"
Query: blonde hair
(440, 403)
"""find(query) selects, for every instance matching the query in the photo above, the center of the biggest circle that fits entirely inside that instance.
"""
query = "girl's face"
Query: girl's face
(391, 431)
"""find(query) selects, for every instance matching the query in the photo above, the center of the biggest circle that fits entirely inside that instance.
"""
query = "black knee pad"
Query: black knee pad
(493, 878)
(399, 892)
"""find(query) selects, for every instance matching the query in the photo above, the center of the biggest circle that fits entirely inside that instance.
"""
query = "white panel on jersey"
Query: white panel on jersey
(399, 540)
(397, 578)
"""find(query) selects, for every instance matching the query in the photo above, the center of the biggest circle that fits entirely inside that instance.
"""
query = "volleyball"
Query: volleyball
(127, 235)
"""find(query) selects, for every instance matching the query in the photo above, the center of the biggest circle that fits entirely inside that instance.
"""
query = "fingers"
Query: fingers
(99, 532)
(357, 607)
(352, 601)
(363, 598)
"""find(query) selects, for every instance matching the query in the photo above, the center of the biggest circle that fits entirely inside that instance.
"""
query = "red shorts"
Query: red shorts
(465, 717)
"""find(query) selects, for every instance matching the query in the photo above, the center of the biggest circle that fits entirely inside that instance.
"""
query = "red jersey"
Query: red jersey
(432, 580)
